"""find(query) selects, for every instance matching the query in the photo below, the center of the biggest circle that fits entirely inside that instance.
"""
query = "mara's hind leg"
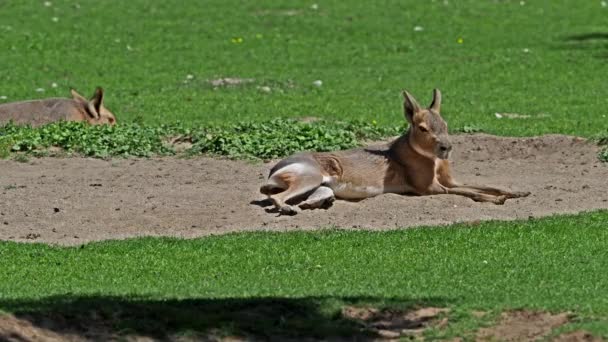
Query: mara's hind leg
(322, 197)
(296, 179)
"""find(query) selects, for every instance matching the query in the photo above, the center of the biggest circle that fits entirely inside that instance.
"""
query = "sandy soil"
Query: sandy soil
(76, 200)
(523, 326)
(370, 324)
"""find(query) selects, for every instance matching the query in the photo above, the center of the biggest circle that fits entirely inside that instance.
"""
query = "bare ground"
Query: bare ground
(366, 324)
(76, 200)
(522, 326)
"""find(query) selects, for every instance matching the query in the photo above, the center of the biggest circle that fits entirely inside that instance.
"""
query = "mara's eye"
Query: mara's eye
(111, 120)
(423, 129)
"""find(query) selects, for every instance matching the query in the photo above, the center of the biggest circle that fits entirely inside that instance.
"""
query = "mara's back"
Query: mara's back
(38, 112)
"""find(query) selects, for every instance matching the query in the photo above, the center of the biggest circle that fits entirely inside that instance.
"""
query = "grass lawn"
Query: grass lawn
(556, 264)
(544, 59)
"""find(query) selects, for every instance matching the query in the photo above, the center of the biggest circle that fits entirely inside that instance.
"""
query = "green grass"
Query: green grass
(545, 60)
(142, 52)
(556, 264)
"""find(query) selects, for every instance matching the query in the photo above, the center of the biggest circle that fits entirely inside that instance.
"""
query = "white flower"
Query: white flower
(317, 83)
(265, 89)
(189, 77)
(418, 28)
(526, 50)
(498, 115)
(48, 4)
(522, 3)
(3, 97)
(314, 7)
(40, 90)
(604, 3)
(129, 47)
(55, 19)
(53, 85)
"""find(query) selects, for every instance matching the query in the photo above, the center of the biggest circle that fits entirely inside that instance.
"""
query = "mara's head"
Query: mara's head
(428, 133)
(94, 110)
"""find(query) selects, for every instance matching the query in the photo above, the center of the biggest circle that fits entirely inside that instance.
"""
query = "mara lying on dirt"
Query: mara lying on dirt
(415, 163)
(40, 112)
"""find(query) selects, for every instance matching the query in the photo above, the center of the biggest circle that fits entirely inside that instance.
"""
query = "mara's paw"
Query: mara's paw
(519, 194)
(287, 210)
(328, 203)
(499, 200)
(321, 204)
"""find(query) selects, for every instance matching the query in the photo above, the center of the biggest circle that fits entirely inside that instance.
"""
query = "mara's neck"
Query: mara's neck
(404, 153)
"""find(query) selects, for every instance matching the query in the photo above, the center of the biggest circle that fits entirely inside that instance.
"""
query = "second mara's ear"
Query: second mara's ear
(410, 106)
(77, 96)
(97, 99)
(436, 104)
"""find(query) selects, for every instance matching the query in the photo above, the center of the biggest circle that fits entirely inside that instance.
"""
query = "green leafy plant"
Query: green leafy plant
(249, 140)
(271, 139)
(279, 138)
(602, 140)
(96, 141)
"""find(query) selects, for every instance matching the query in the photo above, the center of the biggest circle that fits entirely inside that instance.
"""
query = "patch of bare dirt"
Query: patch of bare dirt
(55, 328)
(522, 326)
(230, 81)
(394, 323)
(280, 12)
(13, 329)
(76, 200)
(577, 336)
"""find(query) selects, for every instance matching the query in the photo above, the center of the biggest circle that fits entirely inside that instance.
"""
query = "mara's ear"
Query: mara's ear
(97, 99)
(95, 103)
(410, 106)
(436, 104)
(88, 105)
(77, 96)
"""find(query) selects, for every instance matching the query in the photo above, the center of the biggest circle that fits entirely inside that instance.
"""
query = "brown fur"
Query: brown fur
(415, 163)
(40, 112)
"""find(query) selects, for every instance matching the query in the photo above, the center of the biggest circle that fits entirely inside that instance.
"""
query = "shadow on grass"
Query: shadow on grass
(588, 36)
(592, 41)
(110, 318)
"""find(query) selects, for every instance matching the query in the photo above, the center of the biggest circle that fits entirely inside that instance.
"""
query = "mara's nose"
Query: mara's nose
(445, 147)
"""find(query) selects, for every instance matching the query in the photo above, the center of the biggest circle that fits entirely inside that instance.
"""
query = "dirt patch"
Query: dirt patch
(522, 326)
(395, 323)
(76, 200)
(279, 12)
(13, 329)
(577, 336)
(230, 81)
(56, 328)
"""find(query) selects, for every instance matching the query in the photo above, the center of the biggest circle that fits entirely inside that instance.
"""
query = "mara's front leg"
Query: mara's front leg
(495, 191)
(436, 189)
(444, 177)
